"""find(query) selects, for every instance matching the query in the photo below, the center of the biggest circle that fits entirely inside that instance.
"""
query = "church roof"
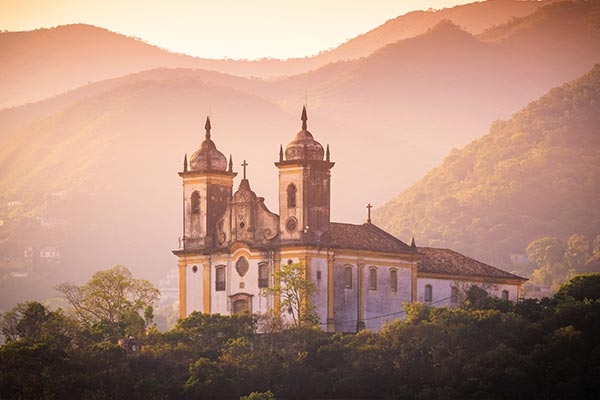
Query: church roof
(448, 262)
(365, 237)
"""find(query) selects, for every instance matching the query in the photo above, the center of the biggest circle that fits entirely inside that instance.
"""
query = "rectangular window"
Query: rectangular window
(373, 279)
(263, 276)
(394, 280)
(220, 279)
(505, 295)
(428, 293)
(348, 277)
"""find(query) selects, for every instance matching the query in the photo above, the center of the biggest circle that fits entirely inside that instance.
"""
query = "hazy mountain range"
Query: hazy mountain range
(391, 103)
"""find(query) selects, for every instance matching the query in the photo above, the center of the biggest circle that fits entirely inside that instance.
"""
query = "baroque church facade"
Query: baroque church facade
(232, 244)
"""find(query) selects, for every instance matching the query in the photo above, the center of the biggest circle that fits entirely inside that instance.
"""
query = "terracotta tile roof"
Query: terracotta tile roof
(365, 237)
(448, 262)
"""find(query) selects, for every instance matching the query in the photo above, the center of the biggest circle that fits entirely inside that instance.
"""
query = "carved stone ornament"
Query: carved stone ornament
(291, 224)
(241, 266)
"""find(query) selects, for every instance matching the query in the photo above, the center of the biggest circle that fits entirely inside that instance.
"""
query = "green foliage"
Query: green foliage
(294, 290)
(539, 349)
(113, 299)
(555, 262)
(581, 287)
(268, 395)
(535, 175)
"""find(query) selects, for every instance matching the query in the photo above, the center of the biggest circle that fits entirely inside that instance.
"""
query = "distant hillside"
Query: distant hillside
(45, 62)
(101, 160)
(535, 175)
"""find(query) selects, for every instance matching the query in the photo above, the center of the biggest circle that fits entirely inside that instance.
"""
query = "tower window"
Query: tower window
(195, 202)
(394, 280)
(291, 195)
(263, 275)
(220, 279)
(373, 278)
(348, 277)
(428, 293)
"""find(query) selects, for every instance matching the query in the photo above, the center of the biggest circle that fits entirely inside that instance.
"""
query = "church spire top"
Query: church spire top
(304, 118)
(207, 127)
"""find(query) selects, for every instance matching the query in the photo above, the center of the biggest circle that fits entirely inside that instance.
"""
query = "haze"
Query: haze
(236, 29)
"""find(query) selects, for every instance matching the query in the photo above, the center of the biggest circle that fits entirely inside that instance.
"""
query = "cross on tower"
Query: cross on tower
(244, 165)
(369, 206)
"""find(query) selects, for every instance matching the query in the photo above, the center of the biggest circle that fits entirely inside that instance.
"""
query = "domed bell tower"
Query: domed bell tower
(304, 188)
(207, 188)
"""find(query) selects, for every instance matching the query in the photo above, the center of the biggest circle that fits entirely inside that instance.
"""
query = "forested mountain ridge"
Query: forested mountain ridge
(537, 174)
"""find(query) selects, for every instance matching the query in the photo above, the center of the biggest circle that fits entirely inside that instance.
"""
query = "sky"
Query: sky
(237, 29)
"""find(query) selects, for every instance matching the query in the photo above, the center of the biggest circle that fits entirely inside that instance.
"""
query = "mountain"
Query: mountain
(93, 171)
(45, 62)
(418, 98)
(535, 175)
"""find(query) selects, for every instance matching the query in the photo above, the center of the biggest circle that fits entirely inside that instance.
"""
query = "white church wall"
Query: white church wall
(382, 303)
(195, 290)
(442, 290)
(345, 299)
(318, 275)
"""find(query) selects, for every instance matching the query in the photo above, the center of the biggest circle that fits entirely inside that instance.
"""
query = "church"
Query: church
(232, 244)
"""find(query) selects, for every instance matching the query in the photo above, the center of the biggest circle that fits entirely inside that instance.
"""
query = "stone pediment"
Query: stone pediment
(247, 219)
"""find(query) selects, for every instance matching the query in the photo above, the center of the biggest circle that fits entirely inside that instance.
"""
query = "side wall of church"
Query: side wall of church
(377, 300)
(441, 290)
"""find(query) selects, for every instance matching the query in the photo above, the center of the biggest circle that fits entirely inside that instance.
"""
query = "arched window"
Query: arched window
(195, 202)
(348, 277)
(241, 306)
(454, 295)
(291, 195)
(373, 278)
(263, 275)
(220, 278)
(394, 280)
(428, 293)
(505, 295)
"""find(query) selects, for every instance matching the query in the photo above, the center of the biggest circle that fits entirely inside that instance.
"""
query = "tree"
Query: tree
(580, 288)
(548, 254)
(578, 251)
(295, 291)
(112, 299)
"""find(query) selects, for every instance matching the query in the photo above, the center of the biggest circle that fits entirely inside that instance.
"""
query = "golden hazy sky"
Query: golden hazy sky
(220, 28)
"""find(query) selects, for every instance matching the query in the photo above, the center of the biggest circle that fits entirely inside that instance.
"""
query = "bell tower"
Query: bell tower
(304, 188)
(207, 188)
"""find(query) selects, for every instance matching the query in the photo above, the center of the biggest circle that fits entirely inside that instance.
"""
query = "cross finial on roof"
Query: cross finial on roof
(369, 206)
(244, 165)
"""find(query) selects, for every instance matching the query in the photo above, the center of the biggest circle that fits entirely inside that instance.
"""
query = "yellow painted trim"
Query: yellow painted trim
(360, 318)
(276, 268)
(182, 289)
(330, 294)
(206, 282)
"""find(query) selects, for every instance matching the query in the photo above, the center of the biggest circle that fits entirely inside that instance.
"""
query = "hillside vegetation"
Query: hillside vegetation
(535, 175)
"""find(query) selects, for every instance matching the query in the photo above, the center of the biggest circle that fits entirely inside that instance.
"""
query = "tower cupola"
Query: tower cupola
(304, 146)
(207, 157)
